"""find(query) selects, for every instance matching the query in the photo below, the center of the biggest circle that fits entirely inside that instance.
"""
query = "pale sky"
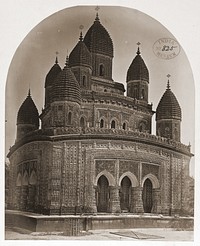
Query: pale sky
(60, 33)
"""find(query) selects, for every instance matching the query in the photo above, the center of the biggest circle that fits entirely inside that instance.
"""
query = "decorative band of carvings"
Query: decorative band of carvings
(78, 133)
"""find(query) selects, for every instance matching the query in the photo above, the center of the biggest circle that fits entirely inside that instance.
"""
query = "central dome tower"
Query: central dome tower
(99, 43)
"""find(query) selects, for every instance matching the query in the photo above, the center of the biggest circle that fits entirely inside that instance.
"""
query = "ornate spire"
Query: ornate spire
(29, 92)
(97, 15)
(138, 49)
(56, 61)
(168, 84)
(81, 34)
(67, 61)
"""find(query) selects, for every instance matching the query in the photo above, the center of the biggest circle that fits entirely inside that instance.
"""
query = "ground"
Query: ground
(153, 234)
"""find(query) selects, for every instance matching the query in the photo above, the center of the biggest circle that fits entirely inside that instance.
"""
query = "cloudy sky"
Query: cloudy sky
(60, 33)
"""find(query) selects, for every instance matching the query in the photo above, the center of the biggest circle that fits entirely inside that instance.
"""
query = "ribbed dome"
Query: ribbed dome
(98, 40)
(80, 55)
(138, 69)
(168, 107)
(28, 113)
(52, 74)
(66, 87)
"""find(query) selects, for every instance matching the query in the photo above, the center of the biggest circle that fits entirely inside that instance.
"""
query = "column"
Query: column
(114, 202)
(18, 197)
(24, 199)
(136, 200)
(156, 201)
(93, 205)
(31, 197)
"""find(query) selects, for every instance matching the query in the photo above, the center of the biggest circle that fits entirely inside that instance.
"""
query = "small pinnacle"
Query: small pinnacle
(81, 36)
(138, 50)
(56, 62)
(97, 17)
(168, 84)
(67, 61)
(29, 92)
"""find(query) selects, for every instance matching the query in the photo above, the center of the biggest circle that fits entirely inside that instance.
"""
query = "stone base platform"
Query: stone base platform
(73, 225)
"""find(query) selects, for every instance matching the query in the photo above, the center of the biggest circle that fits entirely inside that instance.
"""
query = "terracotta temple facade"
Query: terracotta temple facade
(91, 149)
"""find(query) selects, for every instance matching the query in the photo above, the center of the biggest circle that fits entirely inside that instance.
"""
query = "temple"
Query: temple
(92, 150)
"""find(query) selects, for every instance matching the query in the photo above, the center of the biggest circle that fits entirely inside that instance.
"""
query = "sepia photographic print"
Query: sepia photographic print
(99, 129)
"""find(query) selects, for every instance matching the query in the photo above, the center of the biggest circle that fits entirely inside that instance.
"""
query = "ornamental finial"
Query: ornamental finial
(168, 84)
(56, 62)
(97, 14)
(67, 60)
(81, 34)
(138, 50)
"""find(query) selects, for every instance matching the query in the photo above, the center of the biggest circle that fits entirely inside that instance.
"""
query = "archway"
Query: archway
(124, 126)
(113, 125)
(101, 70)
(82, 122)
(147, 196)
(101, 123)
(102, 194)
(125, 194)
(69, 118)
(19, 180)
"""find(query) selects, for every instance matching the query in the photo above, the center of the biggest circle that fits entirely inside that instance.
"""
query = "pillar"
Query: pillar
(24, 199)
(156, 201)
(114, 202)
(18, 197)
(93, 206)
(31, 197)
(136, 200)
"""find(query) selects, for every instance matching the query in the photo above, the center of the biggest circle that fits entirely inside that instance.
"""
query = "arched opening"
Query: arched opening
(125, 194)
(101, 70)
(33, 178)
(147, 196)
(158, 132)
(135, 92)
(142, 127)
(82, 122)
(176, 135)
(124, 126)
(101, 123)
(25, 179)
(69, 120)
(167, 132)
(113, 125)
(142, 94)
(84, 81)
(102, 197)
(19, 180)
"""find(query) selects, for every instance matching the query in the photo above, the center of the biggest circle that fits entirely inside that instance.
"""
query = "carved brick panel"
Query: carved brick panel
(150, 168)
(108, 165)
(128, 165)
